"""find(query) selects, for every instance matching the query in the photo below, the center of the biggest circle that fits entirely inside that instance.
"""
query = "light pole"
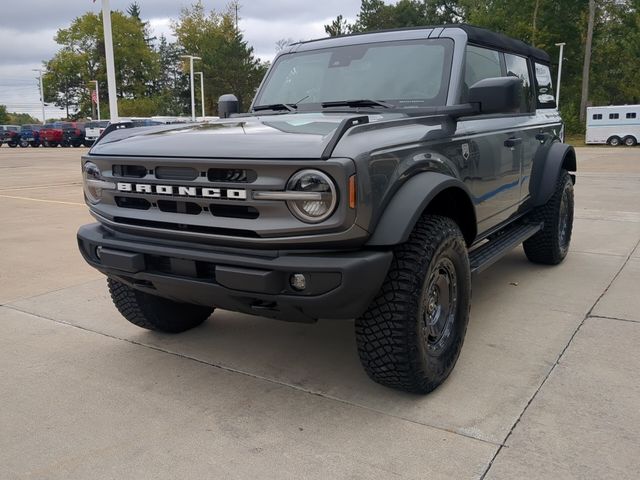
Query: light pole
(97, 97)
(111, 72)
(201, 92)
(193, 101)
(561, 45)
(41, 94)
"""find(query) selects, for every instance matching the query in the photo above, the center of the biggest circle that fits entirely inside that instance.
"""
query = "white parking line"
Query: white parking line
(42, 200)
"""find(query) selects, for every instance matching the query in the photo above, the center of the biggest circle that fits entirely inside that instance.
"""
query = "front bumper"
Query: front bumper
(340, 285)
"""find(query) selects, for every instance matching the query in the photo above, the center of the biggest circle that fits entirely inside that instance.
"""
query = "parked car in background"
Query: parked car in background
(73, 134)
(30, 135)
(51, 134)
(614, 125)
(10, 134)
(93, 129)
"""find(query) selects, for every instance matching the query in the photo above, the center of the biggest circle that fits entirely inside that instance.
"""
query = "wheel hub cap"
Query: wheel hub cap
(439, 305)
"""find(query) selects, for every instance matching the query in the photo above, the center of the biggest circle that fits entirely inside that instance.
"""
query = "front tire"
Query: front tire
(551, 244)
(411, 335)
(155, 313)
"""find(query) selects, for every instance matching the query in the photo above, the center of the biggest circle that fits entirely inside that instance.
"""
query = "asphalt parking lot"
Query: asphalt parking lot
(547, 386)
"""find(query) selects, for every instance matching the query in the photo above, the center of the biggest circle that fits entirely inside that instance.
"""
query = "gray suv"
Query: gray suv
(374, 175)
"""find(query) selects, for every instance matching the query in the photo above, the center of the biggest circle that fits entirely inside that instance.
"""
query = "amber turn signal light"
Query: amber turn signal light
(352, 191)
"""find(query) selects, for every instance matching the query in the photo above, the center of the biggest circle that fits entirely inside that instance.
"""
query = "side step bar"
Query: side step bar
(490, 252)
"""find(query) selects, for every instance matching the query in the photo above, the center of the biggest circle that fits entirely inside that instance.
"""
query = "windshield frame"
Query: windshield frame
(397, 104)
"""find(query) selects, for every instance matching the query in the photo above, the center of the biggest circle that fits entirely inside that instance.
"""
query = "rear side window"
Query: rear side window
(631, 115)
(518, 67)
(481, 63)
(544, 87)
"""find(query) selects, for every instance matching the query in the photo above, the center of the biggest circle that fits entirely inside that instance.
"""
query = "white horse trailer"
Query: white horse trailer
(613, 125)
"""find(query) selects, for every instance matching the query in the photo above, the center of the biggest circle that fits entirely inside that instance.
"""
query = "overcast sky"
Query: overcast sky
(28, 27)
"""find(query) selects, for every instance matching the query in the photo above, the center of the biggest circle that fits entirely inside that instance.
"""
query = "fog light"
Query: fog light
(98, 252)
(298, 281)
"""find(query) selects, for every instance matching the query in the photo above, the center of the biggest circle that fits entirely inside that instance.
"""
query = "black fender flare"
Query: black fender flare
(546, 170)
(410, 201)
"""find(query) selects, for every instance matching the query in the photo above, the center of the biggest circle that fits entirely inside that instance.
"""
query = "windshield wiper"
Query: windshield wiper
(357, 103)
(276, 106)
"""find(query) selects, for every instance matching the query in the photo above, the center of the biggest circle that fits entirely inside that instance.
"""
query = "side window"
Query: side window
(481, 63)
(614, 116)
(518, 67)
(631, 115)
(544, 87)
(597, 116)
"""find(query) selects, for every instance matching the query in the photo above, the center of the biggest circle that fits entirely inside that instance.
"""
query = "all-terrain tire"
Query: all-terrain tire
(395, 343)
(155, 313)
(551, 244)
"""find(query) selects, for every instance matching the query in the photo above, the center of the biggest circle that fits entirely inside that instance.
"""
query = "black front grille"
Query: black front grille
(234, 211)
(172, 206)
(129, 171)
(231, 175)
(176, 173)
(132, 202)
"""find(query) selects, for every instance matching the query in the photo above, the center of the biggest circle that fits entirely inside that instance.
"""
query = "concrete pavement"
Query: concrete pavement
(546, 386)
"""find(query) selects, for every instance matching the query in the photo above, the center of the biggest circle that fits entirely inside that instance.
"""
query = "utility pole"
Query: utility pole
(111, 71)
(586, 67)
(201, 92)
(41, 94)
(97, 97)
(193, 100)
(561, 45)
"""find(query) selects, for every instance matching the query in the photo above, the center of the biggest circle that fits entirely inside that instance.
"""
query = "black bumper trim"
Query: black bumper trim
(341, 284)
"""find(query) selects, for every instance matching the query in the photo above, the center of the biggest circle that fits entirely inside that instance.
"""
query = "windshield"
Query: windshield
(404, 73)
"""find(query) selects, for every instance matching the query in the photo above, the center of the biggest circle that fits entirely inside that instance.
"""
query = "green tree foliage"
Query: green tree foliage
(20, 118)
(228, 62)
(81, 59)
(543, 23)
(4, 117)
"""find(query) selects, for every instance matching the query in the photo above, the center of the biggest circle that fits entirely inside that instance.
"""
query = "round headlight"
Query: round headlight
(312, 181)
(92, 179)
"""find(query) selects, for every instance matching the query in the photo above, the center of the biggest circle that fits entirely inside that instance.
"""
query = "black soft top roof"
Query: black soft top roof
(476, 35)
(482, 36)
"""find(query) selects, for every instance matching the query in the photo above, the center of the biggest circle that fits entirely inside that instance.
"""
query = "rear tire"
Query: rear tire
(411, 335)
(551, 244)
(155, 313)
(630, 141)
(24, 144)
(614, 141)
(12, 145)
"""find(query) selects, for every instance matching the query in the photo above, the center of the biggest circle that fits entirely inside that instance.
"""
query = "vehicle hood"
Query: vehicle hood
(289, 136)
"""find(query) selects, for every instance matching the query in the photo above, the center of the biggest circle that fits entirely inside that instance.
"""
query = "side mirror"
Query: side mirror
(228, 105)
(497, 95)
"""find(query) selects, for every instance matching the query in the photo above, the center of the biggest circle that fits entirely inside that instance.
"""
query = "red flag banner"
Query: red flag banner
(94, 96)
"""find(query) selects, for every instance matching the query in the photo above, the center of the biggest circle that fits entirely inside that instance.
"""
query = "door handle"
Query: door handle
(512, 142)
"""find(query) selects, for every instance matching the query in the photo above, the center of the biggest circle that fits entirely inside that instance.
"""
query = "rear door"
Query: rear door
(493, 146)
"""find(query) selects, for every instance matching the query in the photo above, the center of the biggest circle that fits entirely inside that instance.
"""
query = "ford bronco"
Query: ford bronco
(372, 177)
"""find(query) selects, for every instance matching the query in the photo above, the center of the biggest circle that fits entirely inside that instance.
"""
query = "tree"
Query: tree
(81, 59)
(586, 69)
(14, 118)
(4, 118)
(338, 27)
(228, 62)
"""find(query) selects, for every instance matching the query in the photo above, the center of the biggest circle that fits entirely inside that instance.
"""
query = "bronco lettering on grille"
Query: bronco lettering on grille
(204, 192)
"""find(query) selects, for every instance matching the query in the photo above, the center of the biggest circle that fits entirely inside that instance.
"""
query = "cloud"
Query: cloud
(27, 40)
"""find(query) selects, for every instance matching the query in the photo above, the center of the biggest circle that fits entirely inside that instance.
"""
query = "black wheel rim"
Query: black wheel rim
(563, 220)
(439, 306)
